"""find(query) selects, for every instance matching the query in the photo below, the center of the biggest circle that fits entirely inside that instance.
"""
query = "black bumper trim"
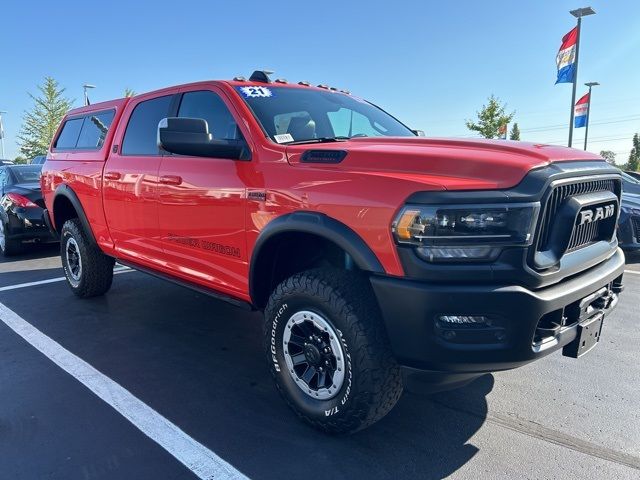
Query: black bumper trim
(47, 222)
(409, 309)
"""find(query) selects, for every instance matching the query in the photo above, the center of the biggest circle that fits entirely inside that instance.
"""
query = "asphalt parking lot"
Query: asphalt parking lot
(198, 364)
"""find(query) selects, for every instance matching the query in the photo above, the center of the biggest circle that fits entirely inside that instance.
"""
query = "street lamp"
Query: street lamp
(578, 13)
(85, 87)
(586, 129)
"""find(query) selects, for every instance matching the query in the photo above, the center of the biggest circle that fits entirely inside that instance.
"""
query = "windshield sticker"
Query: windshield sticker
(255, 92)
(283, 138)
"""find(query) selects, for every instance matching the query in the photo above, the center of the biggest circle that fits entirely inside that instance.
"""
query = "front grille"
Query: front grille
(583, 234)
(635, 223)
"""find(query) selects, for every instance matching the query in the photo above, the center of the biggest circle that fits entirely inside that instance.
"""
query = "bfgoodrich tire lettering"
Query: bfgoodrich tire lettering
(89, 272)
(372, 383)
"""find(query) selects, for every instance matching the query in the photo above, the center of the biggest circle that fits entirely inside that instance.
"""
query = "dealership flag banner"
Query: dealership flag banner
(581, 111)
(566, 58)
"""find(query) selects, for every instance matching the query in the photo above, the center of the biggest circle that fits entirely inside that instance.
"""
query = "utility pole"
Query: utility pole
(586, 129)
(578, 13)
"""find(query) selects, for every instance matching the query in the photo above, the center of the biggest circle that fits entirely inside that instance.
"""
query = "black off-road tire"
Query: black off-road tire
(96, 273)
(372, 382)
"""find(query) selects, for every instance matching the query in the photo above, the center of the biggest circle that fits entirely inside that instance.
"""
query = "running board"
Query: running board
(190, 285)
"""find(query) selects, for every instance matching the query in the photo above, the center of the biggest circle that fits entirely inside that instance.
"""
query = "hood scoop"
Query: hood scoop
(323, 156)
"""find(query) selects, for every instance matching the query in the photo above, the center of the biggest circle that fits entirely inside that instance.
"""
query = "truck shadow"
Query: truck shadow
(429, 436)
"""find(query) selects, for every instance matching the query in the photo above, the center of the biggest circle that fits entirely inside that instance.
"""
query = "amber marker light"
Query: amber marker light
(406, 221)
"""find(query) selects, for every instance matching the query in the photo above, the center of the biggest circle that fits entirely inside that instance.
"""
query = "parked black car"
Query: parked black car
(21, 208)
(629, 222)
(635, 175)
(630, 184)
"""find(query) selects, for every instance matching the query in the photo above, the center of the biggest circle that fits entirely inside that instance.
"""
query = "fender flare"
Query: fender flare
(66, 192)
(317, 224)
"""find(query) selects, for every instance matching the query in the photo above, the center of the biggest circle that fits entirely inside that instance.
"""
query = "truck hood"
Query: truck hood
(453, 164)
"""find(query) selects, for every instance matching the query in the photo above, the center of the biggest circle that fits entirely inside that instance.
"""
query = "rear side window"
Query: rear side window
(87, 132)
(94, 130)
(69, 135)
(141, 136)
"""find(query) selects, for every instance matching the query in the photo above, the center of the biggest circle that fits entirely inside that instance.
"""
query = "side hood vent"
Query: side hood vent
(323, 156)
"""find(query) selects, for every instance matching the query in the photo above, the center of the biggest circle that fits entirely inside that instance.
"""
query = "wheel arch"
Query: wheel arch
(302, 226)
(67, 205)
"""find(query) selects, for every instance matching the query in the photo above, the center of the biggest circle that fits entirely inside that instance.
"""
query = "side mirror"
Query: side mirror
(419, 133)
(190, 136)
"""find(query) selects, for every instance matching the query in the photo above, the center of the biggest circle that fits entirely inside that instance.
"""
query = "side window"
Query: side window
(208, 105)
(94, 130)
(141, 136)
(3, 177)
(69, 135)
(348, 123)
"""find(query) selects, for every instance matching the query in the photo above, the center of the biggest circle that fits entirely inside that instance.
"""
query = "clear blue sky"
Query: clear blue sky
(430, 63)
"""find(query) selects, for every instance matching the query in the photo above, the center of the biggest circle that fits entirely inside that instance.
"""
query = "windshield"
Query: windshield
(305, 114)
(27, 174)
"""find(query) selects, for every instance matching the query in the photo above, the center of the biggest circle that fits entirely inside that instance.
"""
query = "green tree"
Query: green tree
(20, 160)
(609, 156)
(634, 156)
(490, 118)
(515, 132)
(41, 122)
(129, 93)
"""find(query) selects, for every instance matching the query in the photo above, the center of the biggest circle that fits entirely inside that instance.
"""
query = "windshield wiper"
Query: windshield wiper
(318, 140)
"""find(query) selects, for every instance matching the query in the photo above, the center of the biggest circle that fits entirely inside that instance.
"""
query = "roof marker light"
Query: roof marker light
(239, 79)
(322, 85)
(281, 80)
(305, 83)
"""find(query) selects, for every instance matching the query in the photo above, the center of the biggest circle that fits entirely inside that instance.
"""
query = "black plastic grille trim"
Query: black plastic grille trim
(581, 236)
(635, 223)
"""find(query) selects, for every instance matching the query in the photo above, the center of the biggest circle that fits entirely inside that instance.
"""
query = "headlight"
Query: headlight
(453, 232)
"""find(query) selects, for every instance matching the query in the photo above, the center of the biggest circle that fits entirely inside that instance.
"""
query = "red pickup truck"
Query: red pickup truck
(378, 256)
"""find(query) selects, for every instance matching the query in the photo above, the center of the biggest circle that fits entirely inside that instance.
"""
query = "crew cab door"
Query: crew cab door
(130, 188)
(202, 202)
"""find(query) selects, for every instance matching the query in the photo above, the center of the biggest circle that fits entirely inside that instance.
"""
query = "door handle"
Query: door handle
(112, 175)
(170, 180)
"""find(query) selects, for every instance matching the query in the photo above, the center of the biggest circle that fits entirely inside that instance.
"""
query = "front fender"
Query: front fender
(313, 223)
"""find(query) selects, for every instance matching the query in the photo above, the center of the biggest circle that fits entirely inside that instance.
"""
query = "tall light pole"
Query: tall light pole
(578, 13)
(2, 133)
(586, 129)
(85, 87)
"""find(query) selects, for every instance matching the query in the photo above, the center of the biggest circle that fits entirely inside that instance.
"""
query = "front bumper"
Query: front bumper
(629, 232)
(410, 310)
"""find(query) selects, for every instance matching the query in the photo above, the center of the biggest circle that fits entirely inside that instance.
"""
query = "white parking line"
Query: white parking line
(632, 271)
(54, 280)
(195, 456)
